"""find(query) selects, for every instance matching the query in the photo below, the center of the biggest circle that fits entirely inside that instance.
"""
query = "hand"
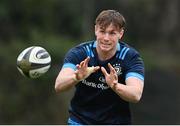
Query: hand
(83, 71)
(112, 77)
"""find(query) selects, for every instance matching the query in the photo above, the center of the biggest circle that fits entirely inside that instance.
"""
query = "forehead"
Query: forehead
(110, 27)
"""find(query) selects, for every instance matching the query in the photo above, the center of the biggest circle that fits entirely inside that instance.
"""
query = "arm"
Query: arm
(65, 80)
(68, 77)
(130, 92)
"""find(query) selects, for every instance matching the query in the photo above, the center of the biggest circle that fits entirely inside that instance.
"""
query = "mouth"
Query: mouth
(105, 45)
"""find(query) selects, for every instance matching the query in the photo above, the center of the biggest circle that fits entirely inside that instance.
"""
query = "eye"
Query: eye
(112, 33)
(102, 31)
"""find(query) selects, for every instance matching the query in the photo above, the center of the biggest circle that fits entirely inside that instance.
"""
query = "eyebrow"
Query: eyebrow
(104, 28)
(109, 31)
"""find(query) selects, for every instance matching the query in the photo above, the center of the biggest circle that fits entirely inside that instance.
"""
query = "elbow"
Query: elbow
(137, 98)
(57, 86)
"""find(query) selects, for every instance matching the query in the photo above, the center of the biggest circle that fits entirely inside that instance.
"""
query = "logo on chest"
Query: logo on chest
(118, 68)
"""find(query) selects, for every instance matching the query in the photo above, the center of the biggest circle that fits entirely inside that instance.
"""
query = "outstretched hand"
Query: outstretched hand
(83, 71)
(112, 77)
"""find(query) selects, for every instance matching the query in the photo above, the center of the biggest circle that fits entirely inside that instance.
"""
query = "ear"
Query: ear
(121, 33)
(95, 29)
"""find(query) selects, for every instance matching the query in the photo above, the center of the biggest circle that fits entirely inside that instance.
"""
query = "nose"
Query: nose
(106, 36)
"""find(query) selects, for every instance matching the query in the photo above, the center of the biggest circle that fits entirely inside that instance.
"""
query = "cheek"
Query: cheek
(115, 39)
(99, 36)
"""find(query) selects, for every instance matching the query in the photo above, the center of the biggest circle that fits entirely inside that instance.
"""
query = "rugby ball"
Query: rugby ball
(33, 62)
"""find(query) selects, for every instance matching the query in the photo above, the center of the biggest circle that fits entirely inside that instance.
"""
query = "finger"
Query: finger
(104, 71)
(114, 84)
(111, 68)
(81, 64)
(96, 68)
(76, 75)
(115, 76)
(90, 70)
(114, 71)
(76, 72)
(86, 61)
(77, 66)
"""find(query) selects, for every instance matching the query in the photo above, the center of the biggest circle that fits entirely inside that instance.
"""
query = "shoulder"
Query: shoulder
(83, 46)
(80, 48)
(86, 43)
(127, 51)
(87, 47)
(133, 63)
(81, 51)
(77, 54)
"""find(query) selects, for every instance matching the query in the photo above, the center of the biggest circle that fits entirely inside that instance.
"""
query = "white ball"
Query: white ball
(33, 62)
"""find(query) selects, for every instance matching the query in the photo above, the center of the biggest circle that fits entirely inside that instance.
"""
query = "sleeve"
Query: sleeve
(134, 65)
(73, 57)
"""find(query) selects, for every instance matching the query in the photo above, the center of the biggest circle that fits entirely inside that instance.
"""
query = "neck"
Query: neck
(104, 55)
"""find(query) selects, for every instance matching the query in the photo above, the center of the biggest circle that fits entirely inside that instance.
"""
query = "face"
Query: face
(107, 38)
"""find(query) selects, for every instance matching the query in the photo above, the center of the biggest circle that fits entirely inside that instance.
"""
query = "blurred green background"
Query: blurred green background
(57, 25)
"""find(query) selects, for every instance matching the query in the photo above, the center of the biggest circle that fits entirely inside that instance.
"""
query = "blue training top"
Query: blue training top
(94, 102)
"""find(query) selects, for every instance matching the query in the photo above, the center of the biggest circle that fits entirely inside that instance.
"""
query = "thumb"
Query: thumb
(96, 68)
(92, 69)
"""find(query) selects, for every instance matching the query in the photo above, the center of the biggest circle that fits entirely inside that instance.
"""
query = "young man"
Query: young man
(107, 74)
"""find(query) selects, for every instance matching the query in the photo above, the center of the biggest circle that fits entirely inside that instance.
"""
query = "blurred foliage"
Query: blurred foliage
(57, 25)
